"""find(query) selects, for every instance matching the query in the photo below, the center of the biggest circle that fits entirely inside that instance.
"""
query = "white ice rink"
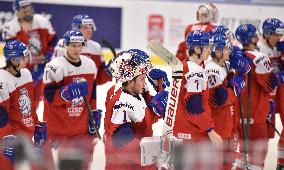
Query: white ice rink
(99, 156)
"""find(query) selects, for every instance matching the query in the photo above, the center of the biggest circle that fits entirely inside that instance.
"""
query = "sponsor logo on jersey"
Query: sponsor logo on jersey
(74, 111)
(198, 74)
(173, 100)
(259, 60)
(213, 71)
(184, 136)
(120, 105)
(53, 69)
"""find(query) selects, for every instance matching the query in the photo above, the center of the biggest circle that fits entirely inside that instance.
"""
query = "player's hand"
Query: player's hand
(159, 103)
(74, 90)
(156, 75)
(9, 142)
(215, 138)
(40, 134)
(96, 116)
(239, 62)
(237, 83)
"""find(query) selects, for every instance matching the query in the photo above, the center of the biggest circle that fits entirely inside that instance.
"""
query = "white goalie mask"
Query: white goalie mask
(129, 64)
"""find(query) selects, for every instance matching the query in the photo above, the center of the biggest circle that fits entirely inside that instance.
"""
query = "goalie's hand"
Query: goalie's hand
(9, 142)
(156, 75)
(96, 116)
(159, 103)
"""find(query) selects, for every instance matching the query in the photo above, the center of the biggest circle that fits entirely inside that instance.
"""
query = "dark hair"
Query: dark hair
(124, 84)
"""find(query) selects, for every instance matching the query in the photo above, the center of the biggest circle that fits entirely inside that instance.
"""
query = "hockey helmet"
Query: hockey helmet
(221, 29)
(273, 25)
(17, 4)
(15, 49)
(245, 32)
(130, 64)
(218, 42)
(82, 19)
(73, 36)
(197, 38)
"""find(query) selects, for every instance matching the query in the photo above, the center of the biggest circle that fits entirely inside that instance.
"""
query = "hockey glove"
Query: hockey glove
(159, 103)
(280, 46)
(237, 83)
(220, 96)
(40, 134)
(96, 116)
(157, 74)
(271, 111)
(239, 61)
(9, 142)
(74, 90)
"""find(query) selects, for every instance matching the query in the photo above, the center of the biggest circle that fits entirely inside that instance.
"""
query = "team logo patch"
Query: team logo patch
(25, 103)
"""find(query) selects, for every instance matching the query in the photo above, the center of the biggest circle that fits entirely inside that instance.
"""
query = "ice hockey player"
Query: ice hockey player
(67, 80)
(261, 85)
(37, 33)
(17, 109)
(130, 112)
(271, 45)
(207, 15)
(86, 25)
(222, 86)
(193, 122)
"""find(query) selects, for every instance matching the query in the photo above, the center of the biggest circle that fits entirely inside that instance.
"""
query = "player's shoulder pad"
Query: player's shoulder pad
(128, 109)
(11, 28)
(26, 74)
(53, 71)
(89, 64)
(6, 85)
(196, 78)
(261, 61)
(42, 22)
(92, 48)
(215, 73)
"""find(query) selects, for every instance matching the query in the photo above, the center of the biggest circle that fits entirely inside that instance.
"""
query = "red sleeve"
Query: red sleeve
(181, 52)
(102, 75)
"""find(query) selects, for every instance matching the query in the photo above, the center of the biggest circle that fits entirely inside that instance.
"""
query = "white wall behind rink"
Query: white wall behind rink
(176, 15)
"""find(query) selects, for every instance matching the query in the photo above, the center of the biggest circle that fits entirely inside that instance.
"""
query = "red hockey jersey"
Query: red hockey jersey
(223, 115)
(63, 117)
(37, 39)
(189, 126)
(16, 98)
(260, 91)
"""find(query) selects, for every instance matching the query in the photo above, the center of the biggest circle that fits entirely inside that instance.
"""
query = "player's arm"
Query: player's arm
(264, 74)
(57, 94)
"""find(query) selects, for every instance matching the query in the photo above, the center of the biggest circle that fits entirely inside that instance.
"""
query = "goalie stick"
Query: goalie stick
(170, 113)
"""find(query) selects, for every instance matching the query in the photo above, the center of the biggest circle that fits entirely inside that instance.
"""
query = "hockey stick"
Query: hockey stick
(170, 113)
(244, 132)
(91, 117)
(107, 44)
(177, 70)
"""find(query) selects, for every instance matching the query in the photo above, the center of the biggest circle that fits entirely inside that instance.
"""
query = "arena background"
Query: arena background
(132, 23)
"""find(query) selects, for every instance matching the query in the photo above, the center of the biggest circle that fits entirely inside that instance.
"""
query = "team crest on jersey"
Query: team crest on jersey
(25, 103)
(35, 45)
